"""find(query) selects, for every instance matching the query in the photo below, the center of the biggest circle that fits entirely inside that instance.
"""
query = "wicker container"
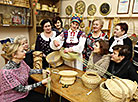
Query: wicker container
(37, 57)
(70, 56)
(54, 59)
(117, 90)
(91, 79)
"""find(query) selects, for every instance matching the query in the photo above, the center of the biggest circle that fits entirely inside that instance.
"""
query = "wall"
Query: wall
(10, 32)
(113, 13)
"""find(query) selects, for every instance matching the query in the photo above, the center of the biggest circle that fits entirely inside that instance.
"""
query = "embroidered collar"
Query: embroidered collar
(46, 38)
(74, 31)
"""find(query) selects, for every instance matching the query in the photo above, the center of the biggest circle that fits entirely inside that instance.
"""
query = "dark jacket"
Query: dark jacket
(124, 69)
(126, 41)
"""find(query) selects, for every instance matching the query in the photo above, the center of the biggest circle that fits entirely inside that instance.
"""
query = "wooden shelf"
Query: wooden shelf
(20, 26)
(13, 5)
(47, 11)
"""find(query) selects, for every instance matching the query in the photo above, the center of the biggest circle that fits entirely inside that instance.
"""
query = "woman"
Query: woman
(120, 37)
(100, 58)
(57, 25)
(94, 36)
(72, 40)
(24, 42)
(14, 77)
(44, 39)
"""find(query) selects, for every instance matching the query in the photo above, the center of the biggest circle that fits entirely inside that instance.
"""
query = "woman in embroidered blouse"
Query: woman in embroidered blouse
(120, 37)
(92, 37)
(58, 25)
(14, 76)
(44, 39)
(72, 40)
(100, 58)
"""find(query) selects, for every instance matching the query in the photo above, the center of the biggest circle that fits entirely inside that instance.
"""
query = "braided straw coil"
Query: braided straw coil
(91, 79)
(117, 90)
(70, 56)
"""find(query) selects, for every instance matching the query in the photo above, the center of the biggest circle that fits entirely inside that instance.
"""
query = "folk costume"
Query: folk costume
(135, 58)
(14, 81)
(90, 41)
(72, 39)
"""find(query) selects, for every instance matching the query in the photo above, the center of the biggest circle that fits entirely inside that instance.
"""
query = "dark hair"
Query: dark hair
(123, 26)
(124, 50)
(55, 19)
(45, 21)
(104, 46)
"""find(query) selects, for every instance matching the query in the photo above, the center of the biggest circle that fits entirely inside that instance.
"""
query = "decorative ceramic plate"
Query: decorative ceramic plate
(80, 7)
(91, 10)
(68, 10)
(105, 9)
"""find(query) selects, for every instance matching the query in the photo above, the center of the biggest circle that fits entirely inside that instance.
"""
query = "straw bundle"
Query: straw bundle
(37, 57)
(117, 90)
(91, 79)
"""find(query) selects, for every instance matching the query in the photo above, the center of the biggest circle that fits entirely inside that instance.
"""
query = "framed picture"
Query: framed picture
(123, 6)
(135, 7)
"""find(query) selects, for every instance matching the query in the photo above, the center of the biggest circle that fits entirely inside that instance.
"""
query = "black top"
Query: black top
(124, 69)
(126, 41)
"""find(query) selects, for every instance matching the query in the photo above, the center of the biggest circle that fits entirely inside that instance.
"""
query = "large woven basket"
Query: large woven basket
(70, 56)
(117, 90)
(91, 79)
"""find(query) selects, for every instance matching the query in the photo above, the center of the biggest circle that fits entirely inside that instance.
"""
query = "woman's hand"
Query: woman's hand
(45, 81)
(56, 43)
(68, 50)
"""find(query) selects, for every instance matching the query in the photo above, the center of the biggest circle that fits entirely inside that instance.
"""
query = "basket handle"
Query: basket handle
(123, 92)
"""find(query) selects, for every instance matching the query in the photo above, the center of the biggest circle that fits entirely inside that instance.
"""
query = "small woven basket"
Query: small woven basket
(70, 56)
(91, 79)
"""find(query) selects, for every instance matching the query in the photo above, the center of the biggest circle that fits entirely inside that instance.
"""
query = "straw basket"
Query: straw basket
(117, 90)
(136, 96)
(68, 77)
(70, 56)
(54, 59)
(37, 57)
(91, 79)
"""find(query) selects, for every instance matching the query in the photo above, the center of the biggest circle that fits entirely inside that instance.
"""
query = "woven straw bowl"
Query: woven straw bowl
(68, 73)
(91, 79)
(70, 56)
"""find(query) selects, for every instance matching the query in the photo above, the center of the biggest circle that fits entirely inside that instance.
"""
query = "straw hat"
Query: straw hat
(70, 56)
(54, 59)
(68, 77)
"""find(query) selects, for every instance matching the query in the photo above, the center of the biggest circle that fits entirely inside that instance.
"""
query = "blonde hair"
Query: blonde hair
(10, 49)
(18, 39)
(100, 21)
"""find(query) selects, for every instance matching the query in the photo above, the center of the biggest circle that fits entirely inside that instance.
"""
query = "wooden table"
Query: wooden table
(74, 93)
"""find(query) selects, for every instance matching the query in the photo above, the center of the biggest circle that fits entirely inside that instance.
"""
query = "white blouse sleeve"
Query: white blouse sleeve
(79, 48)
(60, 39)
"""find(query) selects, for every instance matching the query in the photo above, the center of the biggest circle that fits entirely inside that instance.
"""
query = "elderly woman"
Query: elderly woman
(57, 25)
(120, 37)
(44, 39)
(21, 39)
(94, 36)
(100, 58)
(14, 77)
(72, 40)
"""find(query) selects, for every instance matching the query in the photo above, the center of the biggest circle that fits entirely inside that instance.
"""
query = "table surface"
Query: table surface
(74, 93)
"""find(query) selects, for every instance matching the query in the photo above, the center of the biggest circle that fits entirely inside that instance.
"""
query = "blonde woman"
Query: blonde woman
(94, 36)
(14, 77)
(21, 39)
